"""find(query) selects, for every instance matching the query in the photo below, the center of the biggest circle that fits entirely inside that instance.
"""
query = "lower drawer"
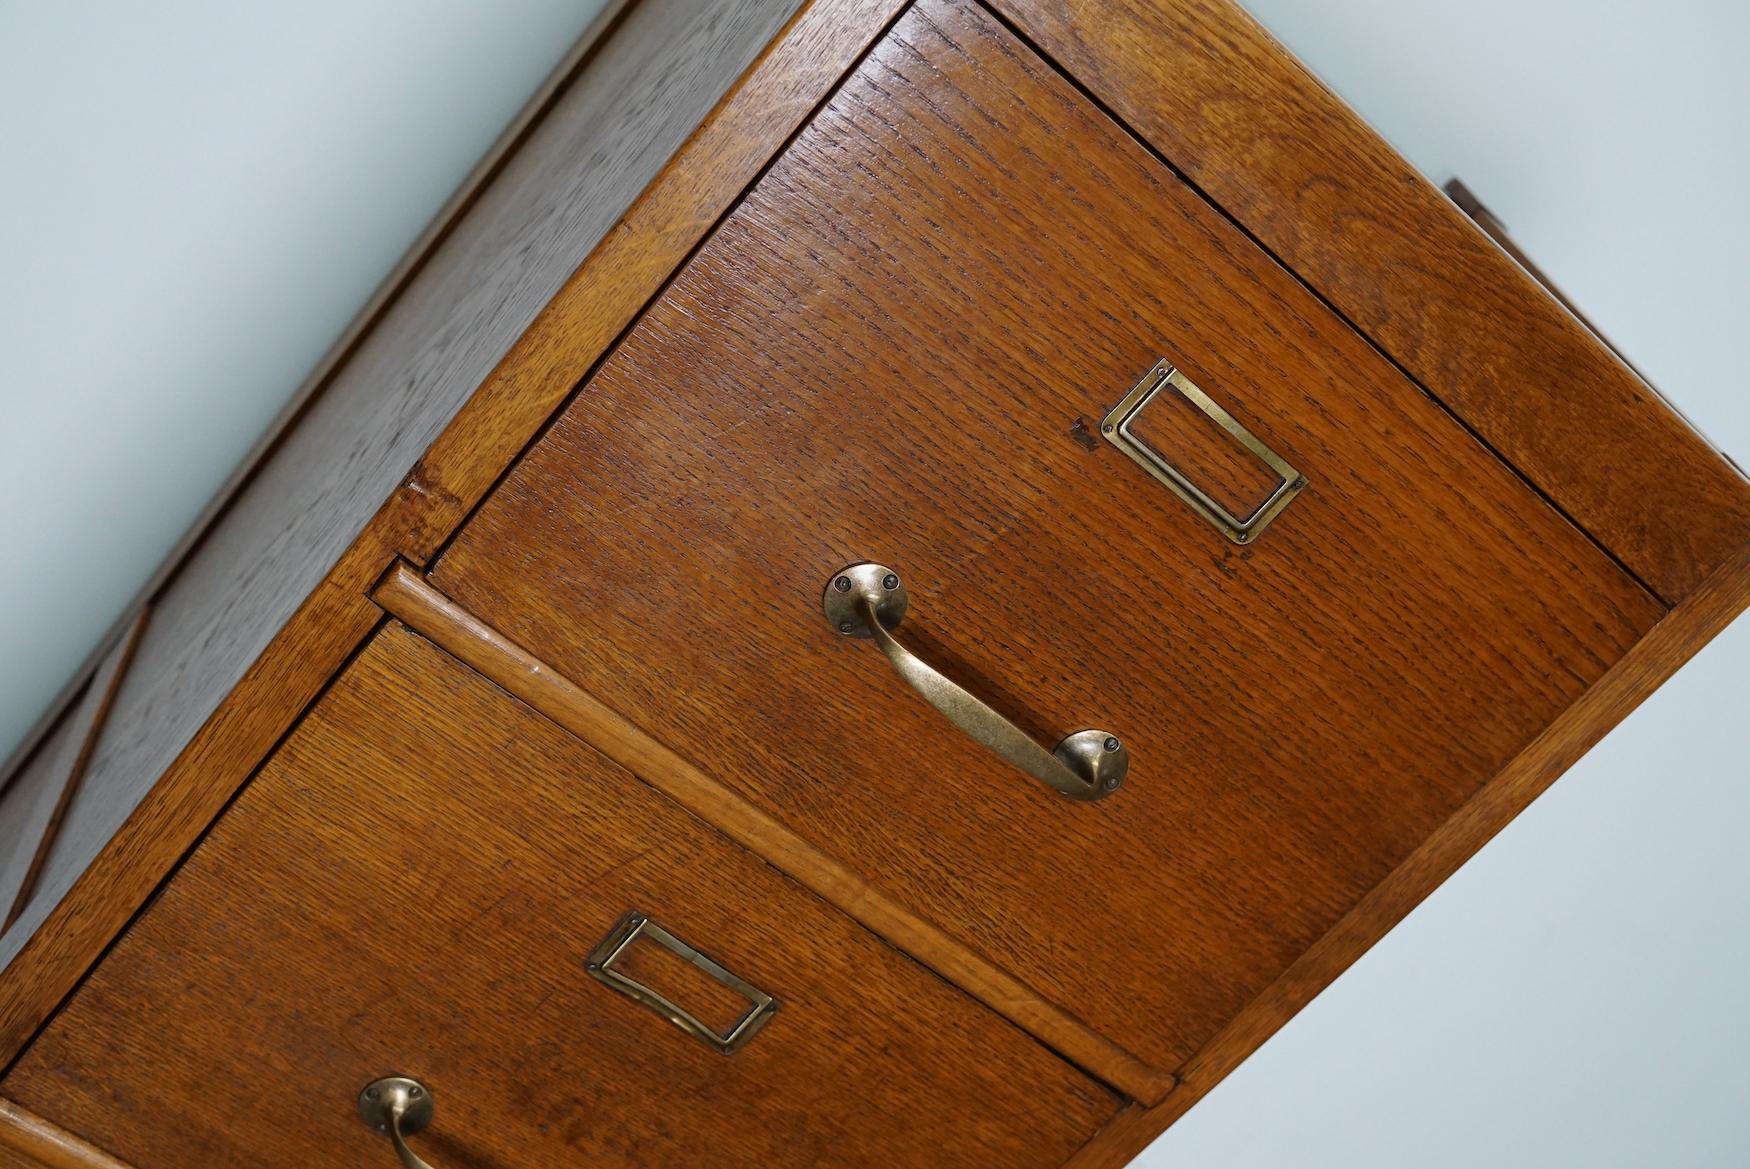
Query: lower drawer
(421, 882)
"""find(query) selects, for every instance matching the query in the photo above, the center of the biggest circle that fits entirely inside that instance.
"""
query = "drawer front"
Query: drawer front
(418, 883)
(899, 348)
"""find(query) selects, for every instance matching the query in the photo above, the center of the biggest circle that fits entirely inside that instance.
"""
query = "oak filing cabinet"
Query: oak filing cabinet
(915, 631)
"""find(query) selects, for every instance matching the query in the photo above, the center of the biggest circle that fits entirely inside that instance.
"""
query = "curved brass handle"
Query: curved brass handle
(869, 600)
(397, 1107)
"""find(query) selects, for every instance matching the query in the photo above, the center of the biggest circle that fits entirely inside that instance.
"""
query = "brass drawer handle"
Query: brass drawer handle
(397, 1107)
(869, 600)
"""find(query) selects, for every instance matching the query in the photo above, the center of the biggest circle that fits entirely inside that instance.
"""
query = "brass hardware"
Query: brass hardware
(1116, 427)
(635, 925)
(868, 600)
(397, 1107)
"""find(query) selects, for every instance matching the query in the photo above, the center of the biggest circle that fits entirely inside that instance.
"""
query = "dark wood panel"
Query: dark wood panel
(894, 349)
(414, 883)
(37, 797)
(1232, 109)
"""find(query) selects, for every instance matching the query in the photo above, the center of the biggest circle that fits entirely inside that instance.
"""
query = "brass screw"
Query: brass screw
(842, 584)
(844, 626)
(371, 1093)
(1111, 743)
(416, 1091)
(1111, 783)
(890, 582)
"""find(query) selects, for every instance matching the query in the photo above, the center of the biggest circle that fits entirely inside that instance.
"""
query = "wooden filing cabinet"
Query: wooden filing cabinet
(1032, 542)
(418, 881)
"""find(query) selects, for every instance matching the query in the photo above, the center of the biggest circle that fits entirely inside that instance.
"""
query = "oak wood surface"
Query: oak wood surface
(885, 353)
(413, 884)
(1466, 201)
(27, 1141)
(1234, 111)
(633, 262)
(232, 593)
(660, 71)
(1710, 607)
(413, 601)
(83, 731)
(1124, 1131)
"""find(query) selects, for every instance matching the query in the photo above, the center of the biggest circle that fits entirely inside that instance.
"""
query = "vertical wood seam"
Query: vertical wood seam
(124, 652)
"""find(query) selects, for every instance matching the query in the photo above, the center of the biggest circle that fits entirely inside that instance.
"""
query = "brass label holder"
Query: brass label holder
(635, 925)
(1164, 377)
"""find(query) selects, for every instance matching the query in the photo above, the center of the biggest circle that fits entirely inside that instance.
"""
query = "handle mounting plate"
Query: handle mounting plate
(378, 1098)
(846, 593)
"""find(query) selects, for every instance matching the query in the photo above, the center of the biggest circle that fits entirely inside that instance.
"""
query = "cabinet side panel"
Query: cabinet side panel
(652, 82)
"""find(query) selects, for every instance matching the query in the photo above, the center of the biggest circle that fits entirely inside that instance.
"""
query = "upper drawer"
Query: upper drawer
(899, 347)
(417, 883)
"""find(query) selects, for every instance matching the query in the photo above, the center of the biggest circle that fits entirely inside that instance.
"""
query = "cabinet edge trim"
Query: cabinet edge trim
(29, 1135)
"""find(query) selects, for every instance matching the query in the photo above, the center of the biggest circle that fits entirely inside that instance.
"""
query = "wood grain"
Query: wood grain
(662, 69)
(85, 728)
(1231, 109)
(221, 612)
(1720, 599)
(414, 602)
(1466, 201)
(414, 882)
(883, 354)
(631, 265)
(1125, 1131)
(27, 1141)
